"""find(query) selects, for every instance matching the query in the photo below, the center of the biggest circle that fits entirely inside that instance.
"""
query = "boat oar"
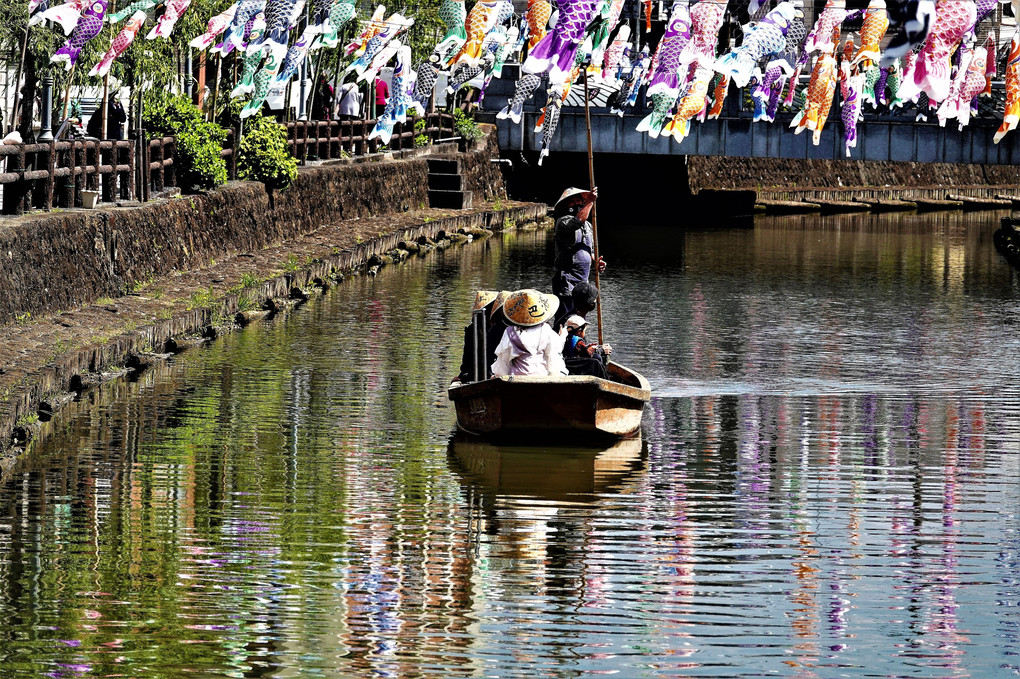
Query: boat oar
(594, 223)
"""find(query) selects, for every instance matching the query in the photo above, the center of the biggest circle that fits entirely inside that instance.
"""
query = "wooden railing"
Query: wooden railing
(332, 139)
(54, 174)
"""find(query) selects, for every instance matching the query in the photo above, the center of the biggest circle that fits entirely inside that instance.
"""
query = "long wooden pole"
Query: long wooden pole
(594, 222)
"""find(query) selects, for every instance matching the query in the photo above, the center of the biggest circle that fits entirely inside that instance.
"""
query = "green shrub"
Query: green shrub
(199, 143)
(263, 155)
(420, 139)
(466, 126)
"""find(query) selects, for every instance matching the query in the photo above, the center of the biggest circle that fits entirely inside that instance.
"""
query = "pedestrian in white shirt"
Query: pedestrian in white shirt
(350, 99)
(529, 345)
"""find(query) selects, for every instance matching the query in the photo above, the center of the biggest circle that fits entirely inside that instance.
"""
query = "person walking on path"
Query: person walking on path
(350, 102)
(382, 93)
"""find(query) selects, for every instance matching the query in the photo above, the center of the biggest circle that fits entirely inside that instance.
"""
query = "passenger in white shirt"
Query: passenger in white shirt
(529, 345)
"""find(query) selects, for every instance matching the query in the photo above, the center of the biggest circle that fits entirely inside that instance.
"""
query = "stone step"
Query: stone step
(445, 182)
(931, 204)
(451, 200)
(888, 204)
(973, 203)
(787, 207)
(443, 165)
(830, 207)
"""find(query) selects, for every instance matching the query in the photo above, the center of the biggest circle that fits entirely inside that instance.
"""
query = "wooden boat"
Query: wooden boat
(542, 408)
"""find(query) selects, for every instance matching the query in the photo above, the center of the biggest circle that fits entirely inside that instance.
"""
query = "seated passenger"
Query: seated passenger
(497, 326)
(529, 345)
(583, 299)
(580, 356)
(491, 302)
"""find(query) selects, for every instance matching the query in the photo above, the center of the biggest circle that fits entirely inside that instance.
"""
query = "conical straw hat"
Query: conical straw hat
(497, 304)
(574, 191)
(527, 308)
(483, 297)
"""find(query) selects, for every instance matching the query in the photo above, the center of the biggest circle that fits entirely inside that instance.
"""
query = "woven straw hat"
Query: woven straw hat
(574, 191)
(527, 308)
(497, 304)
(483, 297)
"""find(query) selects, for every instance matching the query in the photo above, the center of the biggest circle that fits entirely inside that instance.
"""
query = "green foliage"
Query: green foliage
(263, 154)
(199, 143)
(201, 299)
(230, 115)
(156, 63)
(249, 280)
(466, 126)
(420, 139)
(428, 29)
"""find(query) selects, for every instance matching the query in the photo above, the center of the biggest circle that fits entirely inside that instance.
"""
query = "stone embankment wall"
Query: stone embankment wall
(793, 180)
(74, 260)
(60, 260)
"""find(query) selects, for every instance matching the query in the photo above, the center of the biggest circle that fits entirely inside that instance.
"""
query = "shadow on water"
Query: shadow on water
(560, 474)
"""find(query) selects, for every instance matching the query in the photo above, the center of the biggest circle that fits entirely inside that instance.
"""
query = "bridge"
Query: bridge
(881, 136)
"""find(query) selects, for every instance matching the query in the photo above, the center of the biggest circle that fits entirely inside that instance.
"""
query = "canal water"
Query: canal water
(828, 483)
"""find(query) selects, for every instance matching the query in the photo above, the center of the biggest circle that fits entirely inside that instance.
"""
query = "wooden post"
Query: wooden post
(199, 91)
(51, 166)
(104, 107)
(14, 194)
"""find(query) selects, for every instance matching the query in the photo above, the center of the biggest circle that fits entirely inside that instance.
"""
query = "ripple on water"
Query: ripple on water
(828, 484)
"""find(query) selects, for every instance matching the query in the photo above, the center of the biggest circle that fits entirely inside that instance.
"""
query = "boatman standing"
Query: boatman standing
(574, 244)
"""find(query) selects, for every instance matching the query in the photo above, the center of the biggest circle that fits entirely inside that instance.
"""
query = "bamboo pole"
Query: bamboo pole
(218, 60)
(594, 223)
(105, 107)
(67, 93)
(17, 82)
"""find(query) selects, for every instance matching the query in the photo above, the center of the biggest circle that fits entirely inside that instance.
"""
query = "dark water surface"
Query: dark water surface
(829, 483)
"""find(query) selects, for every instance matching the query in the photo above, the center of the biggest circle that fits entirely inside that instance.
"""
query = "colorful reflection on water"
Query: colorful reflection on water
(829, 481)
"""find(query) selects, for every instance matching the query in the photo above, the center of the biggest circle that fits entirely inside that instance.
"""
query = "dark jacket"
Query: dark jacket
(574, 247)
(467, 362)
(115, 118)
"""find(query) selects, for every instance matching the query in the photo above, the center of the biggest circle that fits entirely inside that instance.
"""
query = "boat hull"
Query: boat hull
(539, 408)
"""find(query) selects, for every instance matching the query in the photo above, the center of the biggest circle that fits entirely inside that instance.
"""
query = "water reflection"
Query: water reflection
(829, 482)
